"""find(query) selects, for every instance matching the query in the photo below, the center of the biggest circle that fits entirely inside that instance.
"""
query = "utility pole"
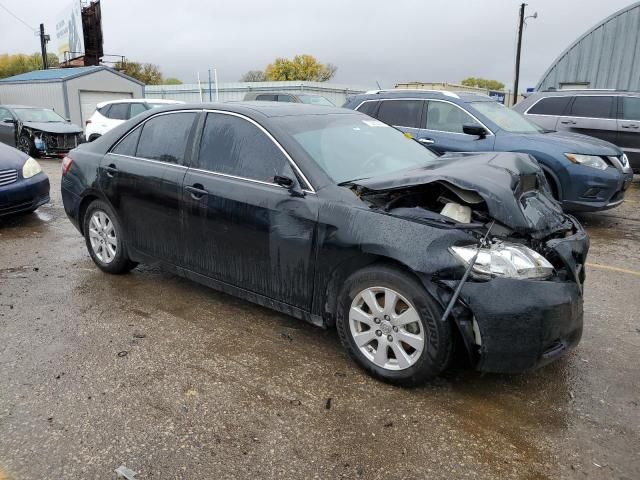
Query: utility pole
(43, 46)
(520, 24)
(210, 99)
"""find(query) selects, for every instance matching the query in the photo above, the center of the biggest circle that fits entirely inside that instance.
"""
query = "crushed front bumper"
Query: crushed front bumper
(511, 325)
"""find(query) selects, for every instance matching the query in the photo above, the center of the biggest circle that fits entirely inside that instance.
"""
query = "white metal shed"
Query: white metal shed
(71, 92)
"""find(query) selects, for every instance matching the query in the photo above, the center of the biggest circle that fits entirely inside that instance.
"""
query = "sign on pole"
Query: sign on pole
(69, 34)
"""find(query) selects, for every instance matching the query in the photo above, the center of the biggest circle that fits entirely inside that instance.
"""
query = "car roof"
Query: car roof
(583, 91)
(424, 93)
(139, 100)
(24, 106)
(265, 108)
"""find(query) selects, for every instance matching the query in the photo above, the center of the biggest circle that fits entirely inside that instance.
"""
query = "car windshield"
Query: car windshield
(352, 147)
(38, 115)
(315, 100)
(505, 118)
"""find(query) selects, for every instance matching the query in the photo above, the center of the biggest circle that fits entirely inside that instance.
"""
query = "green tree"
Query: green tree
(483, 83)
(16, 64)
(148, 73)
(301, 67)
(253, 76)
(172, 81)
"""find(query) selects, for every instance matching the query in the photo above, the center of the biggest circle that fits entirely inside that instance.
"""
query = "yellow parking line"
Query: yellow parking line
(613, 269)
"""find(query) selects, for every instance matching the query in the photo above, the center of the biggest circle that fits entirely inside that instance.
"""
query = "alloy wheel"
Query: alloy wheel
(24, 146)
(386, 328)
(102, 236)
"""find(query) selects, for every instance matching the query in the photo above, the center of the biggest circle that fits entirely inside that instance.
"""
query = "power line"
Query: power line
(17, 18)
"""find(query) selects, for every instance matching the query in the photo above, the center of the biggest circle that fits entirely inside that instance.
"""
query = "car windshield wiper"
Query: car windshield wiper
(346, 183)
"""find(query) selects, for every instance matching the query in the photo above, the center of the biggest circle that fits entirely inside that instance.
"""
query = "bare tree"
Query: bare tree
(253, 76)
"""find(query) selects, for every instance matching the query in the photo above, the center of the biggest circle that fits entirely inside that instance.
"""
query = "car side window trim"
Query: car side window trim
(526, 112)
(307, 187)
(432, 100)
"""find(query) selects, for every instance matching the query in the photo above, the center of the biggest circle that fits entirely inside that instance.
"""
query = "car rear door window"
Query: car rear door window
(104, 111)
(127, 146)
(165, 137)
(235, 146)
(550, 106)
(400, 113)
(136, 109)
(593, 107)
(285, 98)
(447, 117)
(368, 108)
(119, 111)
(630, 108)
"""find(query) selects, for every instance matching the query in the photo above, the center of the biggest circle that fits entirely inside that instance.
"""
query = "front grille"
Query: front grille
(8, 176)
(62, 141)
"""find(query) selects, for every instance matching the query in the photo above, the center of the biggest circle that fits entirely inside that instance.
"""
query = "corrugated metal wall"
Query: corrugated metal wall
(607, 56)
(191, 93)
(48, 95)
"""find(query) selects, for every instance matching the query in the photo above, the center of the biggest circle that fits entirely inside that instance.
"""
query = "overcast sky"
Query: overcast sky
(369, 40)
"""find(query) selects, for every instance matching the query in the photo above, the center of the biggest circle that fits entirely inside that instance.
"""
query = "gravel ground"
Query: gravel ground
(174, 380)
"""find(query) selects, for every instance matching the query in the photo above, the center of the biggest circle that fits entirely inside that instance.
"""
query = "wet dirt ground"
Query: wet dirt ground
(174, 380)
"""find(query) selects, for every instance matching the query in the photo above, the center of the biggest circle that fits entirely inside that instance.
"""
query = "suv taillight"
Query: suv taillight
(66, 164)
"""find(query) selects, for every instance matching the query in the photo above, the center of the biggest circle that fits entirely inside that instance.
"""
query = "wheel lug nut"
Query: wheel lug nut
(395, 329)
(390, 338)
(386, 317)
(376, 320)
(378, 333)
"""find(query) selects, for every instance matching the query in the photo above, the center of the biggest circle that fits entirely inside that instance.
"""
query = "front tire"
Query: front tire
(26, 145)
(103, 236)
(391, 326)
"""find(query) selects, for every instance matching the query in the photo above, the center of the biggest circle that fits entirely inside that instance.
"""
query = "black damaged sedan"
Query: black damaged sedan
(340, 220)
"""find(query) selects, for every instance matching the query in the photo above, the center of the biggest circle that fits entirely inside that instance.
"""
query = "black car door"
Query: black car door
(7, 127)
(241, 227)
(142, 179)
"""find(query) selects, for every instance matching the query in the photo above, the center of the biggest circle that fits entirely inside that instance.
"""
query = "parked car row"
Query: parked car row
(583, 173)
(336, 218)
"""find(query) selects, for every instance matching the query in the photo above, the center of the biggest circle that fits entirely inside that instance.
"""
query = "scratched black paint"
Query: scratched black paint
(292, 252)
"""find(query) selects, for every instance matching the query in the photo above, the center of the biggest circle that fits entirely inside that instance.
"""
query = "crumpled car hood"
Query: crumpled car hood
(509, 183)
(53, 127)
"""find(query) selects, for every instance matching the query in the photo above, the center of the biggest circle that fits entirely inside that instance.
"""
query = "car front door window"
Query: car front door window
(446, 117)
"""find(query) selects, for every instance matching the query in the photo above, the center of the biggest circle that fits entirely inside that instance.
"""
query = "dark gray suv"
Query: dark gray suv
(613, 116)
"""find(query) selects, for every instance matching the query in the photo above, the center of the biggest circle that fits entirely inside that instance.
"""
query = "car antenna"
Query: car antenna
(472, 262)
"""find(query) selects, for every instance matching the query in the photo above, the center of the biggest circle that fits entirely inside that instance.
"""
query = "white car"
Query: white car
(110, 114)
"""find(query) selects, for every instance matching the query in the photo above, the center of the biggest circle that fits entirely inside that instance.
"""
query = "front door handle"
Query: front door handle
(426, 141)
(630, 126)
(110, 170)
(196, 190)
(567, 122)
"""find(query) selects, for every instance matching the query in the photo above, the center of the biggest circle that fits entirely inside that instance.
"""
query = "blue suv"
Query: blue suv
(584, 173)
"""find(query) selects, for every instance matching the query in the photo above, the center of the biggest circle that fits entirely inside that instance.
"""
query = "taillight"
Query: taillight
(66, 165)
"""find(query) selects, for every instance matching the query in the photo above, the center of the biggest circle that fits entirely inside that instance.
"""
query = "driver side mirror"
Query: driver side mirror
(290, 184)
(8, 120)
(476, 130)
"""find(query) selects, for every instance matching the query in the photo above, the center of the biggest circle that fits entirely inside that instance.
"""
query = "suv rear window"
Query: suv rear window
(550, 106)
(592, 106)
(400, 113)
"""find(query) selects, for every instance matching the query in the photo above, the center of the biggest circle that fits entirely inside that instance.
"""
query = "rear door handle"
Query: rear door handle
(426, 141)
(110, 170)
(197, 191)
(567, 122)
(630, 126)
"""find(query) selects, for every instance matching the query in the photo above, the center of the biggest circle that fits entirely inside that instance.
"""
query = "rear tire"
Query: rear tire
(103, 236)
(391, 326)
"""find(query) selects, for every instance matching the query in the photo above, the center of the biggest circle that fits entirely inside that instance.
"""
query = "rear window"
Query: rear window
(119, 111)
(400, 113)
(165, 137)
(550, 106)
(593, 107)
